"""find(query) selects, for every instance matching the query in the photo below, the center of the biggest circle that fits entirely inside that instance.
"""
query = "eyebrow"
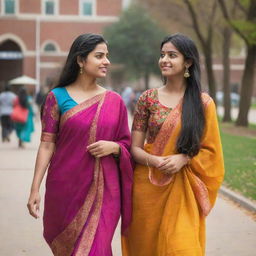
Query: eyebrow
(169, 51)
(101, 52)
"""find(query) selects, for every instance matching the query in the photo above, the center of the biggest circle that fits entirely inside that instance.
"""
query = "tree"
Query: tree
(244, 25)
(226, 44)
(206, 40)
(187, 15)
(134, 41)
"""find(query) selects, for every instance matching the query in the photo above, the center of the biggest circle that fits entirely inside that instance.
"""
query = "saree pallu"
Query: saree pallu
(169, 211)
(85, 195)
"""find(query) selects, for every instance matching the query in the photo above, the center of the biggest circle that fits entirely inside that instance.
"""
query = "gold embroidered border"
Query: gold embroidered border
(63, 244)
(164, 134)
(90, 231)
(201, 193)
(86, 104)
(48, 137)
(171, 123)
(166, 130)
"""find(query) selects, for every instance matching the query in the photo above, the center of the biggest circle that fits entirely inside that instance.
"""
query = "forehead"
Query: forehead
(101, 48)
(169, 47)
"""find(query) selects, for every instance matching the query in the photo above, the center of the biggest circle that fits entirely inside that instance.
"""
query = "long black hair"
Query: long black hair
(23, 97)
(193, 119)
(81, 47)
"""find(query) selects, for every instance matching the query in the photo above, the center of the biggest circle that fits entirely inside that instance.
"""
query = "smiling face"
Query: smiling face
(172, 62)
(96, 63)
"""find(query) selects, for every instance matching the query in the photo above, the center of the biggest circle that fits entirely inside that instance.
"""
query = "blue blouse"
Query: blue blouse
(65, 102)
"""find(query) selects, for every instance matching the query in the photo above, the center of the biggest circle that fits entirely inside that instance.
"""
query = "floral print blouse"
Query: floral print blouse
(149, 114)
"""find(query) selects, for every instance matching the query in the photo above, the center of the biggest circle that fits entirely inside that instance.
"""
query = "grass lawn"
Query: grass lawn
(240, 163)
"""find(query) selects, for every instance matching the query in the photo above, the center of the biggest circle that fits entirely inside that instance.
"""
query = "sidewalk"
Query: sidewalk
(230, 232)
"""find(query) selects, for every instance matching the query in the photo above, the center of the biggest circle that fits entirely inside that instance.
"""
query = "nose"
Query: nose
(165, 58)
(106, 61)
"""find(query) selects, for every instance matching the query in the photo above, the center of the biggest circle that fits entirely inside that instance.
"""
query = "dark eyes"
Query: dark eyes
(171, 55)
(100, 56)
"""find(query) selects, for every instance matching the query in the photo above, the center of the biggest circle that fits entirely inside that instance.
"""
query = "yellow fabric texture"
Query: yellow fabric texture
(169, 220)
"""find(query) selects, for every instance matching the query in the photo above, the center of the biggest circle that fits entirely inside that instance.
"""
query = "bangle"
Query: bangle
(148, 163)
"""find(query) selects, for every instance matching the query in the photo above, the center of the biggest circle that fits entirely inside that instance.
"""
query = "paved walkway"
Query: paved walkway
(230, 231)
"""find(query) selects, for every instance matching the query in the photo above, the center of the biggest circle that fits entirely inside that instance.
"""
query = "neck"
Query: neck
(85, 83)
(176, 85)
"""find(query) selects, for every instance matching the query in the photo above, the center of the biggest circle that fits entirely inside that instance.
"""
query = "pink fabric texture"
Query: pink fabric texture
(71, 172)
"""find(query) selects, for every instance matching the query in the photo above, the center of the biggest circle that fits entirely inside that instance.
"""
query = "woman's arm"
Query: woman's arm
(167, 164)
(43, 158)
(103, 148)
(139, 154)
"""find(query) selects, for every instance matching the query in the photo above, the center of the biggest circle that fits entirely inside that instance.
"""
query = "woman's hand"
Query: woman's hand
(103, 148)
(173, 163)
(34, 204)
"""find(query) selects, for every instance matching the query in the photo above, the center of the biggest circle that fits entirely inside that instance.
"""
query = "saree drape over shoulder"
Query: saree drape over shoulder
(85, 195)
(169, 211)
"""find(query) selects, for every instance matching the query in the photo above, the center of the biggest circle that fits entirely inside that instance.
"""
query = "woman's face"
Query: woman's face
(97, 62)
(171, 62)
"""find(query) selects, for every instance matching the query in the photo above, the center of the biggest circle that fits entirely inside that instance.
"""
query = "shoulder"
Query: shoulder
(149, 93)
(206, 99)
(58, 90)
(113, 95)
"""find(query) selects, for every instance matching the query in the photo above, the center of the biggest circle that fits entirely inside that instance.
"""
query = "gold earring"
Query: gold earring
(81, 70)
(186, 74)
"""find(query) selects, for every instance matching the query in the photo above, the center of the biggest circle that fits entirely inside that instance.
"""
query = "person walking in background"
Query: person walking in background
(85, 141)
(180, 168)
(39, 100)
(24, 129)
(6, 107)
(128, 96)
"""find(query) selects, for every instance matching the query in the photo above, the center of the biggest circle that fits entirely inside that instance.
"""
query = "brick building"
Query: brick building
(35, 35)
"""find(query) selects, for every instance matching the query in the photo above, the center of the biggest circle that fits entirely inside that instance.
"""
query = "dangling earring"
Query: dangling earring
(186, 74)
(81, 70)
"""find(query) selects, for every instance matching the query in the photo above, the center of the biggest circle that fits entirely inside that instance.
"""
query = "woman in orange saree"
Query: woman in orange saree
(180, 167)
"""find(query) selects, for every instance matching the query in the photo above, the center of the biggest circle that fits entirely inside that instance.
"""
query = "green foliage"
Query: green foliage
(134, 41)
(240, 163)
(248, 29)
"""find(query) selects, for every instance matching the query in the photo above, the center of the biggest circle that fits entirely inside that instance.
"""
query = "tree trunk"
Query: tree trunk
(209, 70)
(226, 74)
(247, 86)
(146, 80)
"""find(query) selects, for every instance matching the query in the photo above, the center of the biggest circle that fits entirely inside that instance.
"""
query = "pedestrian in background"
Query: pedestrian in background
(26, 128)
(180, 167)
(85, 141)
(128, 97)
(6, 107)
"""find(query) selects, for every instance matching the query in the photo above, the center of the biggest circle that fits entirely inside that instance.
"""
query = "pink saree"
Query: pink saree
(85, 196)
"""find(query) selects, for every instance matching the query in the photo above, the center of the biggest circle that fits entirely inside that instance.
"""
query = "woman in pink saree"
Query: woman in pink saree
(84, 131)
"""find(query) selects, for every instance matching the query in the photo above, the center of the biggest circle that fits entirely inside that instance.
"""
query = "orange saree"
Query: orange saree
(169, 211)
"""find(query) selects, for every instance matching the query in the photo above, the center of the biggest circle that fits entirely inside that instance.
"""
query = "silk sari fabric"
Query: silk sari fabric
(86, 195)
(169, 211)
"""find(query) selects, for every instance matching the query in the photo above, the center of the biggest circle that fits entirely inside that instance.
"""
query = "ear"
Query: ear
(79, 61)
(188, 63)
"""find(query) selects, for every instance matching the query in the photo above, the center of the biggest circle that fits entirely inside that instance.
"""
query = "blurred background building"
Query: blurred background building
(35, 35)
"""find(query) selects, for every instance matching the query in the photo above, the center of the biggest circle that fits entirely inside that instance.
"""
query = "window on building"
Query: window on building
(9, 6)
(50, 48)
(87, 7)
(49, 7)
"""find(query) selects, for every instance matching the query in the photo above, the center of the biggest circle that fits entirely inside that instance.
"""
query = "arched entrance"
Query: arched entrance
(11, 60)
